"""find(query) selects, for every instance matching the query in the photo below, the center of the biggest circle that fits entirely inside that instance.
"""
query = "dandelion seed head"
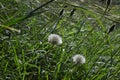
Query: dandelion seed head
(55, 39)
(19, 31)
(82, 0)
(78, 59)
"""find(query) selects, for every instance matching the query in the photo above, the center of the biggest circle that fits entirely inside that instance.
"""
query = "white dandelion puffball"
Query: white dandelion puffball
(78, 59)
(55, 39)
(82, 0)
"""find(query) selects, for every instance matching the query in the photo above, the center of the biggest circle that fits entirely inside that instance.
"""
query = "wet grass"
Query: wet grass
(27, 55)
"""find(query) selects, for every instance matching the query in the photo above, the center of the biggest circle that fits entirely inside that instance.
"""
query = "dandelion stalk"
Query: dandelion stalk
(10, 28)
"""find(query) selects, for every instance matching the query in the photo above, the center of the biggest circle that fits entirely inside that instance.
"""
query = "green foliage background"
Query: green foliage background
(25, 53)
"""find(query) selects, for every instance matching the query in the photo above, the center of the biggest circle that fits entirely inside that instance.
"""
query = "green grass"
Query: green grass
(29, 56)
